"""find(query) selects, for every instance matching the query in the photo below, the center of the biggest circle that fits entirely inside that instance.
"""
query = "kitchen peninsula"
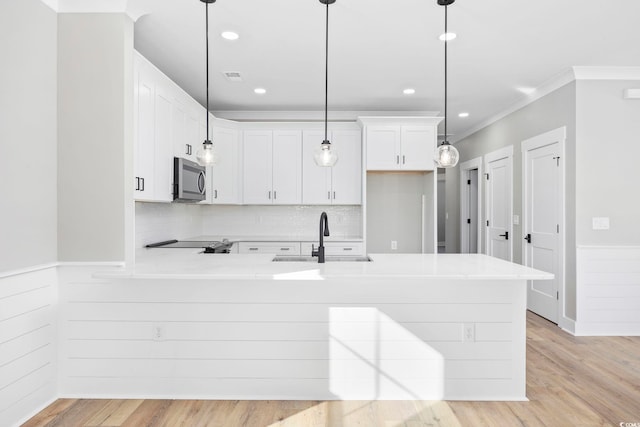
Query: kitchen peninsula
(181, 324)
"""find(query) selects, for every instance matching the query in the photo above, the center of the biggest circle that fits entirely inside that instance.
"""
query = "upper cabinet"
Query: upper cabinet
(272, 167)
(224, 177)
(340, 184)
(400, 144)
(153, 168)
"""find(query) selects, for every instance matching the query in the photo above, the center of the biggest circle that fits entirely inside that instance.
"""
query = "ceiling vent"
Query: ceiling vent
(233, 76)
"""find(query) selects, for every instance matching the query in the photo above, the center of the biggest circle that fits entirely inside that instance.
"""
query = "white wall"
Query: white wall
(394, 211)
(28, 204)
(95, 134)
(28, 344)
(28, 42)
(288, 339)
(552, 111)
(607, 172)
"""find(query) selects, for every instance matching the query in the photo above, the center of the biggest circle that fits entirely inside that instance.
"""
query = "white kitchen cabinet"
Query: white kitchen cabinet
(340, 184)
(153, 171)
(185, 122)
(276, 248)
(224, 176)
(334, 248)
(399, 147)
(272, 171)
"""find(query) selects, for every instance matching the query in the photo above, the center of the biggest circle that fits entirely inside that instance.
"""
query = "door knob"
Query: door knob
(528, 238)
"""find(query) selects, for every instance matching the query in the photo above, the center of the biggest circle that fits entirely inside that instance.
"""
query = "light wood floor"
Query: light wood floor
(570, 382)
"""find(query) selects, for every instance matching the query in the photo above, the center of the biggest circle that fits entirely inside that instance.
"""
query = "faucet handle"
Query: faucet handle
(313, 251)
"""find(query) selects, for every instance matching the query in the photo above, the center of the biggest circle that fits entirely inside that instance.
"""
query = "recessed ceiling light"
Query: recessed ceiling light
(409, 91)
(448, 36)
(260, 90)
(527, 90)
(230, 35)
(463, 115)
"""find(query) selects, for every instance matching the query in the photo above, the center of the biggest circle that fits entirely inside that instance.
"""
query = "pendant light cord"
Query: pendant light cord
(326, 73)
(207, 56)
(446, 36)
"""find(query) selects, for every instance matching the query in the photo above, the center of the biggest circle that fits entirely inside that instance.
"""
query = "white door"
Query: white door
(499, 184)
(473, 219)
(542, 222)
(471, 206)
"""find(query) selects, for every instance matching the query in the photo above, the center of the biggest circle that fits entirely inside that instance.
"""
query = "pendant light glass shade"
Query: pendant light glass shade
(447, 155)
(206, 155)
(325, 155)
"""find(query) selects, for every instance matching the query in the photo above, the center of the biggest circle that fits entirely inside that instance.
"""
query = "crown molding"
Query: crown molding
(133, 8)
(555, 83)
(335, 116)
(606, 73)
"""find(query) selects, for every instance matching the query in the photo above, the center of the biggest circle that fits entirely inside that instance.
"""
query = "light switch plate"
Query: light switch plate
(516, 220)
(600, 223)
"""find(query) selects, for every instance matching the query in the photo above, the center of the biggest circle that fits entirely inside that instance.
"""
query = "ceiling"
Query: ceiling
(378, 48)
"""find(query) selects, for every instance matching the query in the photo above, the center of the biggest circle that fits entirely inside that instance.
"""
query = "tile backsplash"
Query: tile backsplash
(156, 222)
(163, 221)
(344, 221)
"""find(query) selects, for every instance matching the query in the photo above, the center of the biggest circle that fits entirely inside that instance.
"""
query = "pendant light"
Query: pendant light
(325, 155)
(207, 155)
(446, 155)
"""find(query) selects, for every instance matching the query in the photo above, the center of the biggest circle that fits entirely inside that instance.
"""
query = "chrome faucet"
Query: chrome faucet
(324, 231)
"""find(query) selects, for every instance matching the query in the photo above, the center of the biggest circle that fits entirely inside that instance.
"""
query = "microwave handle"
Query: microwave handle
(201, 184)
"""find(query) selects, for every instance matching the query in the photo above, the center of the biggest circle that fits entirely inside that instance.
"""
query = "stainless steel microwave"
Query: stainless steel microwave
(188, 181)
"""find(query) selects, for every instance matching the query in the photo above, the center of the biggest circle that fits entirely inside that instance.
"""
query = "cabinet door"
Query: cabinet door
(316, 180)
(383, 147)
(163, 150)
(194, 135)
(144, 153)
(179, 129)
(257, 167)
(346, 175)
(417, 146)
(287, 167)
(224, 175)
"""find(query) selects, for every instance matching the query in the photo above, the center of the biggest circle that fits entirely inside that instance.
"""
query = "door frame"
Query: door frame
(558, 135)
(465, 168)
(502, 153)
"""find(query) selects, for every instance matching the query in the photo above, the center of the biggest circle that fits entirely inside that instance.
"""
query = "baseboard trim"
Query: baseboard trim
(568, 325)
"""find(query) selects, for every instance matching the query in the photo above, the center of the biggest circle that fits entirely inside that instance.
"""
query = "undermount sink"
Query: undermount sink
(327, 259)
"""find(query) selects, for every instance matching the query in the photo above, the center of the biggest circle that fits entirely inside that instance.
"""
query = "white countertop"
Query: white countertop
(190, 263)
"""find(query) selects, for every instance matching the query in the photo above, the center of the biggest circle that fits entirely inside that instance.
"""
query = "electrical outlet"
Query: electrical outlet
(469, 332)
(516, 220)
(157, 333)
(394, 245)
